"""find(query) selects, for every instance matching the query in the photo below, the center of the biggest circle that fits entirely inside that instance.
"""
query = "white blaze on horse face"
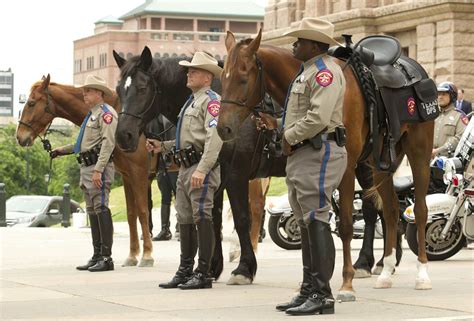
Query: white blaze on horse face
(128, 82)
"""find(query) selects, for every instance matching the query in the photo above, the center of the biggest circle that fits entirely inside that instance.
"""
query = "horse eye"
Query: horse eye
(31, 103)
(142, 90)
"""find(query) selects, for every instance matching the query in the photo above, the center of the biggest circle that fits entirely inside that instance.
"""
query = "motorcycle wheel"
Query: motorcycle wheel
(285, 232)
(436, 249)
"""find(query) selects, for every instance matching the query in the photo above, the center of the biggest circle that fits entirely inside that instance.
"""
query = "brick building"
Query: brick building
(170, 28)
(437, 33)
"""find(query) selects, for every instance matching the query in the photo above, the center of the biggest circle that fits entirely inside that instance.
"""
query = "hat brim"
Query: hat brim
(312, 34)
(214, 69)
(103, 89)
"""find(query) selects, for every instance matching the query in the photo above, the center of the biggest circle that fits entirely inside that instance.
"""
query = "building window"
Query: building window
(183, 36)
(157, 55)
(174, 55)
(166, 55)
(143, 23)
(129, 55)
(103, 60)
(78, 65)
(90, 63)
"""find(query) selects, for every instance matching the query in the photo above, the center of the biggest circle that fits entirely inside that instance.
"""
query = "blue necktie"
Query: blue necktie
(180, 120)
(77, 146)
(288, 95)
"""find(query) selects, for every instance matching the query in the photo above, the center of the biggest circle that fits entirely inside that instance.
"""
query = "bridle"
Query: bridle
(47, 109)
(156, 91)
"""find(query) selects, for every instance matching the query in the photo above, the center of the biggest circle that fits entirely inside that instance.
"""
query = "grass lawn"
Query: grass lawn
(118, 205)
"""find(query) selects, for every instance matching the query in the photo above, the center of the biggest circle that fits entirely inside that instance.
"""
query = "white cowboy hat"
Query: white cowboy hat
(204, 61)
(98, 83)
(314, 29)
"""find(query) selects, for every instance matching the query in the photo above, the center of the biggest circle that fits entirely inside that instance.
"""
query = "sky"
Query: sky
(37, 36)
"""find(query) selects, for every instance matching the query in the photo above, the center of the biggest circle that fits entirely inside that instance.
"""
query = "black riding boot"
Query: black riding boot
(200, 278)
(305, 288)
(188, 252)
(165, 233)
(95, 232)
(322, 267)
(106, 234)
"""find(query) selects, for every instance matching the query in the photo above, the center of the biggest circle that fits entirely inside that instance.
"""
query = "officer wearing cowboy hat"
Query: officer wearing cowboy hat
(196, 147)
(94, 146)
(313, 138)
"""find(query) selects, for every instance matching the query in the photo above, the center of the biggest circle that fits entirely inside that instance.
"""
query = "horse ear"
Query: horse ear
(146, 58)
(229, 40)
(45, 83)
(118, 59)
(255, 44)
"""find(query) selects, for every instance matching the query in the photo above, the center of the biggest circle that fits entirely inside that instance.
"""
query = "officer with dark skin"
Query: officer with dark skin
(313, 138)
(94, 146)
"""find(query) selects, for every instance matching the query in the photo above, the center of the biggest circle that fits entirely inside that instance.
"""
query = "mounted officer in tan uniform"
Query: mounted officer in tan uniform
(94, 146)
(450, 124)
(196, 149)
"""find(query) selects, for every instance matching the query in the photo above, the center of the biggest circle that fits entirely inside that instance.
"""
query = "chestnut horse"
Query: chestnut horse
(49, 100)
(251, 69)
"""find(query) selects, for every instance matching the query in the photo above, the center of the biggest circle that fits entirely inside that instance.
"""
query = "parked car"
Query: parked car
(36, 210)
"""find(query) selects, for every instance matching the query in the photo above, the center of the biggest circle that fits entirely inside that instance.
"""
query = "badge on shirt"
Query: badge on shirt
(213, 107)
(324, 77)
(411, 106)
(213, 122)
(107, 117)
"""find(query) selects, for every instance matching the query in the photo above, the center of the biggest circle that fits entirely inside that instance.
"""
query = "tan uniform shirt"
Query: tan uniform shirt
(315, 100)
(198, 128)
(100, 129)
(449, 127)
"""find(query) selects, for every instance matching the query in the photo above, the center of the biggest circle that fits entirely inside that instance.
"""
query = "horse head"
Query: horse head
(37, 113)
(241, 78)
(137, 92)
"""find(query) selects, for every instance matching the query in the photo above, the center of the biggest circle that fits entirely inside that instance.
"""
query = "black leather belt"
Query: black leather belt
(325, 136)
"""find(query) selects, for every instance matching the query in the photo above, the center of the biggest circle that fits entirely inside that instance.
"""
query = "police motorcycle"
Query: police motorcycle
(450, 219)
(285, 232)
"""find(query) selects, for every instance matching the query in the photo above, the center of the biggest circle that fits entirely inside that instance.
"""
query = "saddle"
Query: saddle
(400, 91)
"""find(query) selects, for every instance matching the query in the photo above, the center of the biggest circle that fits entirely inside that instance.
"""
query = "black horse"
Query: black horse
(149, 87)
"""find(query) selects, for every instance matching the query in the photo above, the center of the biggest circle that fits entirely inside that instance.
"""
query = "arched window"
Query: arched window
(129, 55)
(174, 55)
(183, 55)
(166, 55)
(157, 55)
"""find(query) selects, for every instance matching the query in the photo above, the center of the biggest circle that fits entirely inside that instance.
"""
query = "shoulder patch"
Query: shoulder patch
(213, 107)
(107, 117)
(324, 77)
(213, 122)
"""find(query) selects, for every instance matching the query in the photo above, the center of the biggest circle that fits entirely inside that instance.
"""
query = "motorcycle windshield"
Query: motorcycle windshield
(466, 142)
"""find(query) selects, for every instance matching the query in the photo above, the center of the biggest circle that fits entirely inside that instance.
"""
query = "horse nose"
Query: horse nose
(225, 132)
(24, 141)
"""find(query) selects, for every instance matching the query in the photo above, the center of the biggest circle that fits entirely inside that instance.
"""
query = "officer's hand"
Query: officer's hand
(97, 179)
(56, 152)
(265, 121)
(197, 179)
(153, 145)
(434, 152)
(286, 147)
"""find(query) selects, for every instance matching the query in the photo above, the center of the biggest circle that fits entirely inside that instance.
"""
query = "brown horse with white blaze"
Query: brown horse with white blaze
(251, 69)
(49, 100)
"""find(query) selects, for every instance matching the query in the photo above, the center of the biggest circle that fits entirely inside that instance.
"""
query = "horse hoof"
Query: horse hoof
(234, 256)
(130, 261)
(146, 262)
(423, 284)
(238, 280)
(377, 270)
(383, 283)
(361, 274)
(346, 296)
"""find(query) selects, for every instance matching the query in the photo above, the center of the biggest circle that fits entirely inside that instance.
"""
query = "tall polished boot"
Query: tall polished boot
(189, 245)
(323, 254)
(106, 233)
(165, 233)
(95, 232)
(305, 288)
(200, 278)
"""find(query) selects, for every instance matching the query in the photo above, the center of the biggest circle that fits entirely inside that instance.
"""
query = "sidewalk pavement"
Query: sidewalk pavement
(38, 281)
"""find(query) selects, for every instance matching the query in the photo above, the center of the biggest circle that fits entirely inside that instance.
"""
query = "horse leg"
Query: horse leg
(238, 197)
(217, 262)
(140, 191)
(365, 262)
(257, 207)
(346, 197)
(131, 260)
(384, 183)
(419, 154)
